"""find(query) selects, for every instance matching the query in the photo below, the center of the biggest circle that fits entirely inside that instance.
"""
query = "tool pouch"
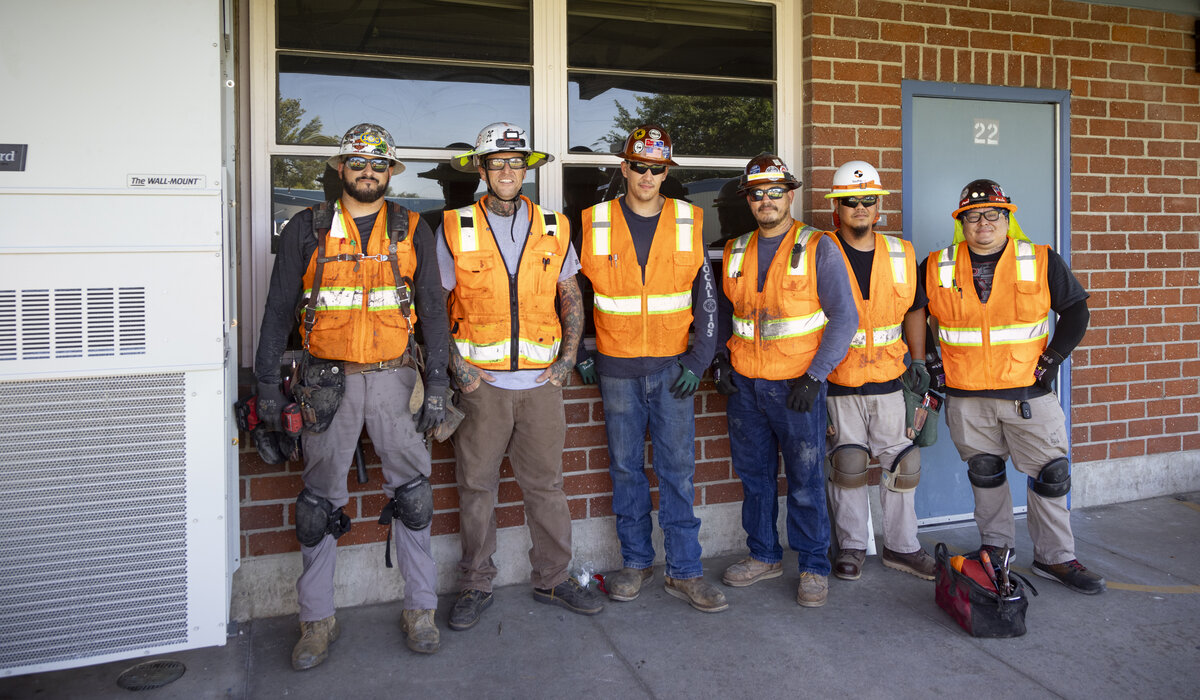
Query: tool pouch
(926, 436)
(971, 599)
(319, 392)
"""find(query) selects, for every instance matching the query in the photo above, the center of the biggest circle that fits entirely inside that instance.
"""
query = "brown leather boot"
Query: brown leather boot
(626, 584)
(315, 638)
(700, 594)
(423, 636)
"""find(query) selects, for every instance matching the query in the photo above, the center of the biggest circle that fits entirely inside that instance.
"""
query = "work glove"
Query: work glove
(686, 385)
(804, 393)
(587, 371)
(433, 410)
(270, 405)
(936, 372)
(1047, 369)
(722, 373)
(916, 377)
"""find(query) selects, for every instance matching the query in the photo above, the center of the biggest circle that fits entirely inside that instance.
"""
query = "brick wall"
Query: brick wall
(1135, 195)
(268, 493)
(1135, 218)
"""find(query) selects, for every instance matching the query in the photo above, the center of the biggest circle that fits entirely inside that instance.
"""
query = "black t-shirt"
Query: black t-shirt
(1066, 293)
(861, 263)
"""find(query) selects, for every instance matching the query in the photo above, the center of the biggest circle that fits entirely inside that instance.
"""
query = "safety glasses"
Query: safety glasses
(853, 202)
(972, 217)
(514, 162)
(357, 163)
(770, 192)
(641, 168)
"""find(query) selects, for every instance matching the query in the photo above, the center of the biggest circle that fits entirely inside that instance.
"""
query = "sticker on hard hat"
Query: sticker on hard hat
(655, 134)
(858, 173)
(637, 147)
(371, 138)
(639, 133)
(657, 149)
(754, 169)
(772, 169)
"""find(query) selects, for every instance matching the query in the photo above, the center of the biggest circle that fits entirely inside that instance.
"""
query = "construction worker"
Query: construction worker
(792, 319)
(990, 295)
(504, 261)
(644, 256)
(356, 262)
(866, 403)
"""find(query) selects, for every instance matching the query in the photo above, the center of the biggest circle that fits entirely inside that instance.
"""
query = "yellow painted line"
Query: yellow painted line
(1136, 587)
(1189, 504)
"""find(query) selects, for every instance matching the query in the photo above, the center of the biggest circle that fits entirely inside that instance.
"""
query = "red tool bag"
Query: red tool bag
(970, 597)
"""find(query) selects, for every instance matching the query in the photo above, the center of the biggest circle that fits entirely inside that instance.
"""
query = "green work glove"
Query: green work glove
(916, 378)
(686, 385)
(587, 371)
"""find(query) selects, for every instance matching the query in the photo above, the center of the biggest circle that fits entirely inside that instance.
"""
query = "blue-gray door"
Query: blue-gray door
(954, 134)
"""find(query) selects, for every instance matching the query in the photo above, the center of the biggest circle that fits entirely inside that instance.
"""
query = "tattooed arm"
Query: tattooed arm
(571, 302)
(465, 374)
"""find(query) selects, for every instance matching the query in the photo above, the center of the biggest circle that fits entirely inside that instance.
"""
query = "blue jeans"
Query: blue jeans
(630, 407)
(760, 427)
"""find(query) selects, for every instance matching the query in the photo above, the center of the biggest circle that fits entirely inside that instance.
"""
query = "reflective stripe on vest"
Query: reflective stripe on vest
(1026, 263)
(999, 335)
(780, 328)
(499, 351)
(880, 337)
(896, 255)
(655, 303)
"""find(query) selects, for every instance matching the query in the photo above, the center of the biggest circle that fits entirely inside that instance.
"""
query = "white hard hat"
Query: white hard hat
(500, 137)
(858, 177)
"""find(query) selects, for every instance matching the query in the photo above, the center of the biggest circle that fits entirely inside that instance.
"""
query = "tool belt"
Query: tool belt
(404, 360)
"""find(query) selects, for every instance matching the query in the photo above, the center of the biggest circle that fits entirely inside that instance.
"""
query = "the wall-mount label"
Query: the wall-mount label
(189, 182)
(12, 156)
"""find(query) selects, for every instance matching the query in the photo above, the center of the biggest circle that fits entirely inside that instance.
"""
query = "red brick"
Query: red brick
(1163, 443)
(834, 48)
(1108, 431)
(587, 436)
(1127, 448)
(273, 542)
(1162, 370)
(275, 488)
(599, 459)
(968, 19)
(589, 483)
(445, 523)
(445, 498)
(924, 14)
(1089, 30)
(577, 413)
(713, 471)
(1129, 35)
(578, 508)
(1181, 424)
(729, 492)
(1123, 412)
(600, 506)
(852, 28)
(717, 448)
(1143, 428)
(510, 516)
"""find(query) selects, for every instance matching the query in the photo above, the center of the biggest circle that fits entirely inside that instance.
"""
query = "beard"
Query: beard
(362, 192)
(860, 230)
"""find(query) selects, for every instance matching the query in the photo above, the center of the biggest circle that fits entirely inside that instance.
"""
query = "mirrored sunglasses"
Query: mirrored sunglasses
(514, 162)
(357, 163)
(853, 202)
(771, 192)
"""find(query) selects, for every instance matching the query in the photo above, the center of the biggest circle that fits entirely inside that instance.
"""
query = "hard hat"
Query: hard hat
(500, 137)
(368, 140)
(728, 195)
(766, 169)
(983, 193)
(649, 143)
(858, 177)
(444, 173)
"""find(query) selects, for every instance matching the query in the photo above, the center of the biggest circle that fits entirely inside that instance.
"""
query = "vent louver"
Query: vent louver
(40, 324)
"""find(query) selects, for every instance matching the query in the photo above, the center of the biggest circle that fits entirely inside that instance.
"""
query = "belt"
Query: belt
(404, 360)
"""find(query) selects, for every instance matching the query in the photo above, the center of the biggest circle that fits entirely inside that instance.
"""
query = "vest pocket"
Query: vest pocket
(684, 270)
(474, 275)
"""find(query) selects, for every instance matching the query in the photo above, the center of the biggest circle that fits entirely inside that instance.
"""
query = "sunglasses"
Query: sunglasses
(514, 162)
(357, 163)
(641, 168)
(972, 217)
(853, 202)
(771, 192)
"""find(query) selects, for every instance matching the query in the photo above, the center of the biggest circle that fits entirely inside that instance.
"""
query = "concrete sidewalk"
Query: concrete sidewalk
(879, 637)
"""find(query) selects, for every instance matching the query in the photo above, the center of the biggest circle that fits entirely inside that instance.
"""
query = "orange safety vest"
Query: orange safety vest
(877, 352)
(636, 318)
(358, 310)
(994, 345)
(777, 332)
(483, 301)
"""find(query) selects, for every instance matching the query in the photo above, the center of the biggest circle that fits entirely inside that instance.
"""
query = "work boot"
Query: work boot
(423, 636)
(570, 595)
(813, 590)
(917, 563)
(470, 605)
(750, 570)
(315, 638)
(848, 564)
(625, 585)
(699, 593)
(1073, 575)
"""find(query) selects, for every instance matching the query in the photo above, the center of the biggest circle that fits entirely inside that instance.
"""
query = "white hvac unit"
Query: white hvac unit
(118, 497)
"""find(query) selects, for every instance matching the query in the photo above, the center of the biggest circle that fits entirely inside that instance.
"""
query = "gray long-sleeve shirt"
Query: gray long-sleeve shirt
(833, 291)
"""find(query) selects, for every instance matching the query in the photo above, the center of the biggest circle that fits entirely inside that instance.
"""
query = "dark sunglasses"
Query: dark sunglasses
(641, 168)
(357, 163)
(771, 192)
(514, 162)
(853, 202)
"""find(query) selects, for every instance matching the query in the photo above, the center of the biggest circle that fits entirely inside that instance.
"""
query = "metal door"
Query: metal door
(954, 134)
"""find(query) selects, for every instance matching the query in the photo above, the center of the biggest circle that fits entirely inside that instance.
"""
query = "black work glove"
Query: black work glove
(587, 371)
(804, 393)
(687, 383)
(916, 377)
(433, 410)
(936, 372)
(722, 372)
(1047, 369)
(270, 405)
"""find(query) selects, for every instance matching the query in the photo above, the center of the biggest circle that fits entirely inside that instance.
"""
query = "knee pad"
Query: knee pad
(849, 466)
(986, 471)
(905, 472)
(1054, 480)
(316, 517)
(412, 505)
